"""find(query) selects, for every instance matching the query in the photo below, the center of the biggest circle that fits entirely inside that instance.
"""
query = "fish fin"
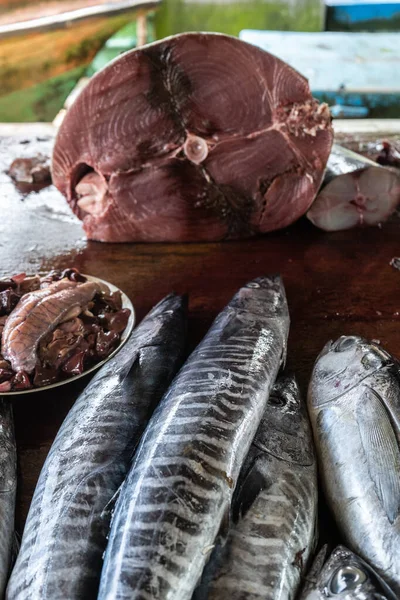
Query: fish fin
(318, 562)
(283, 357)
(381, 451)
(17, 541)
(250, 485)
(109, 507)
(311, 578)
(15, 547)
(135, 364)
(224, 527)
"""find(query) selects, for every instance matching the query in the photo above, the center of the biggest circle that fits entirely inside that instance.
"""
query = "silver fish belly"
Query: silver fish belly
(181, 483)
(67, 525)
(8, 489)
(343, 576)
(275, 506)
(354, 406)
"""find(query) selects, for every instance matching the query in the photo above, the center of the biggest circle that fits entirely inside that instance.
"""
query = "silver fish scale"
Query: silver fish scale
(262, 547)
(8, 489)
(276, 502)
(180, 486)
(67, 525)
(354, 405)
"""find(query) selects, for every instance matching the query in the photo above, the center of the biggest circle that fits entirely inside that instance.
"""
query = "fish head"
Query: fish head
(345, 576)
(263, 296)
(284, 430)
(342, 365)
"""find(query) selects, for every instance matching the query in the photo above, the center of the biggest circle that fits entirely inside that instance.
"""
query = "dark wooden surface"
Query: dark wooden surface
(336, 284)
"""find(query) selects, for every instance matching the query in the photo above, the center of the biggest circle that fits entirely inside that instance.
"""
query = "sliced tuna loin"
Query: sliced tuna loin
(195, 137)
(356, 191)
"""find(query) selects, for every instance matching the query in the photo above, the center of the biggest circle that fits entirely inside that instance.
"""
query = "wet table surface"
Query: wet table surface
(336, 284)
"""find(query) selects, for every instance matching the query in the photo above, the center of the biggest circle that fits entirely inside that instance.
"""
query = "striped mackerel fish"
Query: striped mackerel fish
(178, 492)
(274, 508)
(8, 490)
(65, 533)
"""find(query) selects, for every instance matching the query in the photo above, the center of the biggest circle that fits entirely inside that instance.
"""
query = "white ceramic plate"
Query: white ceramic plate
(126, 303)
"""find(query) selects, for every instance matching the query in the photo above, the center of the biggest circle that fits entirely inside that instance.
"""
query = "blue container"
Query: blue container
(362, 15)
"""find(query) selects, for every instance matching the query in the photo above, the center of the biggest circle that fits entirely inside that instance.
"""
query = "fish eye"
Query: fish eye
(347, 578)
(276, 400)
(253, 284)
(345, 343)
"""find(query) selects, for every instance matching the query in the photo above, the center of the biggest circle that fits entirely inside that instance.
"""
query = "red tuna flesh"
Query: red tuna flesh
(34, 318)
(195, 137)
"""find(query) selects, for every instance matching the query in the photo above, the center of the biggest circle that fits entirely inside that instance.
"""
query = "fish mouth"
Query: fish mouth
(327, 348)
(386, 357)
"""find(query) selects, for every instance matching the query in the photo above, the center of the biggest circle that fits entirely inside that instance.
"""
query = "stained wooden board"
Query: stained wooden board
(339, 283)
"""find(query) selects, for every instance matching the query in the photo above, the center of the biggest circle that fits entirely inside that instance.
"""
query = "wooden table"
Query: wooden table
(336, 284)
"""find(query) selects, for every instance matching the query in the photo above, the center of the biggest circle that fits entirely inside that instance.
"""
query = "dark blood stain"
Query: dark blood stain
(21, 381)
(229, 481)
(389, 155)
(158, 95)
(234, 208)
(298, 559)
(147, 149)
(179, 84)
(208, 127)
(169, 85)
(263, 186)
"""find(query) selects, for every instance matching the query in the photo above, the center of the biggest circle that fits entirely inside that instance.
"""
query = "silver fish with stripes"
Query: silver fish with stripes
(354, 407)
(179, 490)
(343, 576)
(274, 508)
(8, 490)
(68, 521)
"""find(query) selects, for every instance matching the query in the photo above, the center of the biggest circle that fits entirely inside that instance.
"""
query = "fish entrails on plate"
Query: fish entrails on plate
(57, 326)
